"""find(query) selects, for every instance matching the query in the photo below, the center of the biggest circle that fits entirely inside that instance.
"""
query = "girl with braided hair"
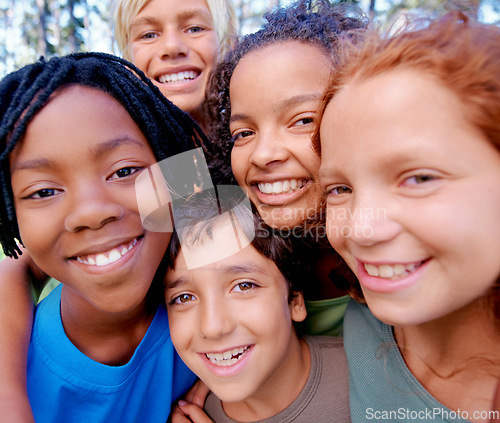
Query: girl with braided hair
(76, 132)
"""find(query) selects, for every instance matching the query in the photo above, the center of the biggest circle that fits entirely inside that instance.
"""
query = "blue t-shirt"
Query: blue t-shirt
(381, 387)
(64, 385)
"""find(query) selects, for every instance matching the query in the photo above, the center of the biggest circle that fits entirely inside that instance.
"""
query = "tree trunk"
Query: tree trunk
(42, 47)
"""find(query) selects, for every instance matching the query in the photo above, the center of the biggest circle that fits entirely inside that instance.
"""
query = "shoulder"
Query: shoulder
(329, 354)
(327, 391)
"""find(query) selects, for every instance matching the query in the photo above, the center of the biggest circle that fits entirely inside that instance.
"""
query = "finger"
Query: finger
(200, 394)
(177, 416)
(195, 413)
(191, 393)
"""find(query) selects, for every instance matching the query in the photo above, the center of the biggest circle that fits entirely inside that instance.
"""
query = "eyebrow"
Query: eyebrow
(183, 16)
(110, 145)
(236, 269)
(284, 104)
(248, 267)
(100, 150)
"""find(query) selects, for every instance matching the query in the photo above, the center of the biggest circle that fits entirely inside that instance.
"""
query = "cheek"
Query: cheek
(37, 229)
(211, 51)
(334, 227)
(139, 56)
(179, 329)
(239, 164)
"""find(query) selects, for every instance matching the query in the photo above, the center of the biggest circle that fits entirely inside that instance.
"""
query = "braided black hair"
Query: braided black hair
(24, 93)
(311, 21)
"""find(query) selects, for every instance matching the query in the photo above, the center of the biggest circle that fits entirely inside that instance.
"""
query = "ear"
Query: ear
(298, 307)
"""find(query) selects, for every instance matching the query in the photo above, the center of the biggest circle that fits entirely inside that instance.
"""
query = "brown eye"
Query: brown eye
(244, 286)
(340, 190)
(419, 179)
(183, 299)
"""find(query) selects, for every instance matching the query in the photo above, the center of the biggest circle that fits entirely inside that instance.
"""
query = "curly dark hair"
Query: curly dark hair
(319, 22)
(25, 92)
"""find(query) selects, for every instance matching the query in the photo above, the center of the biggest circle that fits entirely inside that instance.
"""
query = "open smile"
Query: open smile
(392, 271)
(179, 77)
(286, 186)
(229, 357)
(105, 258)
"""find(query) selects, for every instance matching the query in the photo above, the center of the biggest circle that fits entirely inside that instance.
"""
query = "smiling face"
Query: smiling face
(413, 199)
(274, 94)
(73, 180)
(231, 323)
(175, 45)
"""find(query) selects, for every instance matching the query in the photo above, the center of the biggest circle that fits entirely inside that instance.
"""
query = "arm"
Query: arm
(16, 317)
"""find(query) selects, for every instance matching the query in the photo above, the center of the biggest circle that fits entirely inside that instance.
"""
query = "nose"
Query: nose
(173, 45)
(91, 207)
(365, 221)
(216, 320)
(269, 149)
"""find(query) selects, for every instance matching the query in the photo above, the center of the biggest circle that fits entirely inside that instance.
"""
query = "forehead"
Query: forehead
(173, 9)
(306, 61)
(275, 77)
(82, 115)
(206, 243)
(400, 113)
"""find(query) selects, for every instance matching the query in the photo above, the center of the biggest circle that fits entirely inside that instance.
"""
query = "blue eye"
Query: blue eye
(195, 29)
(148, 35)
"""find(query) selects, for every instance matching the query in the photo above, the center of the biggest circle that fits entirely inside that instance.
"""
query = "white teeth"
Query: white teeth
(371, 270)
(114, 255)
(399, 269)
(227, 358)
(281, 187)
(101, 260)
(388, 271)
(172, 78)
(277, 187)
(105, 258)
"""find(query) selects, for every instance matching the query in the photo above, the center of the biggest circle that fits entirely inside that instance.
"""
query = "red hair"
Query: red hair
(461, 54)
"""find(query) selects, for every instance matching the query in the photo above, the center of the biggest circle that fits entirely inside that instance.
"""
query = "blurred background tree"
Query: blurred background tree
(33, 28)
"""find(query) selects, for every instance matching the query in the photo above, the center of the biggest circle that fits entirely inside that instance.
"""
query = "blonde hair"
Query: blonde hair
(223, 17)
